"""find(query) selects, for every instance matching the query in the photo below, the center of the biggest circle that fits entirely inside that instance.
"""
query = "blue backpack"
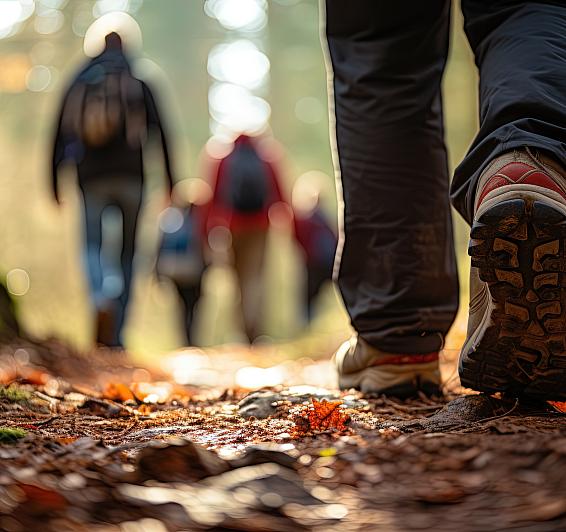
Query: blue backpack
(180, 254)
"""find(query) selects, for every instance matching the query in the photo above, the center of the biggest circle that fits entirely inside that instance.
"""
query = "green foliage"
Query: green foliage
(14, 394)
(10, 435)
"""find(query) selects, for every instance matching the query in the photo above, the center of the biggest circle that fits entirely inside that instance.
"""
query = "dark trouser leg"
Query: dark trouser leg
(94, 203)
(520, 50)
(189, 296)
(129, 201)
(397, 271)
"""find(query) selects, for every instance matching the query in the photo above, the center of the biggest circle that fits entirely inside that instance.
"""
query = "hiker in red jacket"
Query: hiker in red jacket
(245, 187)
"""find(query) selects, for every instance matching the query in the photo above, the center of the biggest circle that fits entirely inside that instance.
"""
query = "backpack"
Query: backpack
(180, 254)
(105, 103)
(246, 190)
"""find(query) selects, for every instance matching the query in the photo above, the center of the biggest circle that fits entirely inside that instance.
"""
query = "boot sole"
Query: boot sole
(519, 248)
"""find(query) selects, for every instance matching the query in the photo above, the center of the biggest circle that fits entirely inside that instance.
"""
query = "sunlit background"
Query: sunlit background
(217, 67)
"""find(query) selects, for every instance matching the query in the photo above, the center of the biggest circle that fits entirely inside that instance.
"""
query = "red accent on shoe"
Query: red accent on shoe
(515, 173)
(401, 360)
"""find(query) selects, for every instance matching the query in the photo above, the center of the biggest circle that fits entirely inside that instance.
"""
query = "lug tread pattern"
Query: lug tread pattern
(519, 248)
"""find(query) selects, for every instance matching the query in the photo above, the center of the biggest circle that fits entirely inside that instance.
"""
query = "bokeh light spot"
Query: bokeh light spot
(239, 62)
(38, 78)
(18, 282)
(49, 21)
(12, 14)
(242, 15)
(237, 108)
(309, 110)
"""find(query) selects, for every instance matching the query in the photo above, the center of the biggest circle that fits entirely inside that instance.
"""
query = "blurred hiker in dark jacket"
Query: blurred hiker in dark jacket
(245, 188)
(180, 256)
(316, 238)
(106, 116)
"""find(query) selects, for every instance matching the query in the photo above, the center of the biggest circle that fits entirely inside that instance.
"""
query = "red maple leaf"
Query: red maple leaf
(320, 416)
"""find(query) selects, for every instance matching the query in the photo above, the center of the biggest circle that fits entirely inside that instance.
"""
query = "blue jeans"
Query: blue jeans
(110, 283)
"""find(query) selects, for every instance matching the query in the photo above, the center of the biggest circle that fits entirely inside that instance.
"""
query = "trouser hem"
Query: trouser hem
(409, 344)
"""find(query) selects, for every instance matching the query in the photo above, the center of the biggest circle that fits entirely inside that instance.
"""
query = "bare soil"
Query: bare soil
(100, 452)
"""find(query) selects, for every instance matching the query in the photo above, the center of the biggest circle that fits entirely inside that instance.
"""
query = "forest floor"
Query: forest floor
(94, 443)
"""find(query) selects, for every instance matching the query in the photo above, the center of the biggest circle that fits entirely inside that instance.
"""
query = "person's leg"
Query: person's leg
(512, 187)
(188, 296)
(94, 203)
(249, 252)
(520, 51)
(128, 199)
(396, 263)
(397, 271)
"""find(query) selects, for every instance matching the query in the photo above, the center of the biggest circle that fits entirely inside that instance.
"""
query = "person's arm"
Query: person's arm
(154, 120)
(58, 153)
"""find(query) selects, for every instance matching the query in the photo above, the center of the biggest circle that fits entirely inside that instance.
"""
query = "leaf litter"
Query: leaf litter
(100, 448)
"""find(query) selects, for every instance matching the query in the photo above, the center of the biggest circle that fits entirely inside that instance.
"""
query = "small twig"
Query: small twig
(125, 447)
(463, 428)
(49, 399)
(126, 430)
(109, 402)
(409, 409)
(505, 414)
(40, 423)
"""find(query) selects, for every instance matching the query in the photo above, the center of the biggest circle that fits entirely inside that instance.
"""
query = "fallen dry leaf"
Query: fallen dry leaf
(66, 440)
(319, 416)
(23, 375)
(118, 391)
(38, 500)
(557, 405)
(145, 409)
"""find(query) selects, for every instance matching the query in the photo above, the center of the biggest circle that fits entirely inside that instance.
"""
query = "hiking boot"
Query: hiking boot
(517, 325)
(106, 326)
(370, 370)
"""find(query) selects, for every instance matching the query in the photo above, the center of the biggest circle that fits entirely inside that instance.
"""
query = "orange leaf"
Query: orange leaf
(560, 406)
(29, 375)
(320, 416)
(117, 391)
(145, 409)
(66, 440)
(42, 499)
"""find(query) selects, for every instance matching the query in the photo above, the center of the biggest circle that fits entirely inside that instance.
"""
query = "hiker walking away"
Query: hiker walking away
(180, 257)
(245, 188)
(105, 118)
(316, 239)
(397, 270)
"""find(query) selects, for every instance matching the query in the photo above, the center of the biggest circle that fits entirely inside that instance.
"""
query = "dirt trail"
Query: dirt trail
(101, 445)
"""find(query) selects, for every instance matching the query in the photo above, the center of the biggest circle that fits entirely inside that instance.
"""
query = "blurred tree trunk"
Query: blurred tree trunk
(9, 326)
